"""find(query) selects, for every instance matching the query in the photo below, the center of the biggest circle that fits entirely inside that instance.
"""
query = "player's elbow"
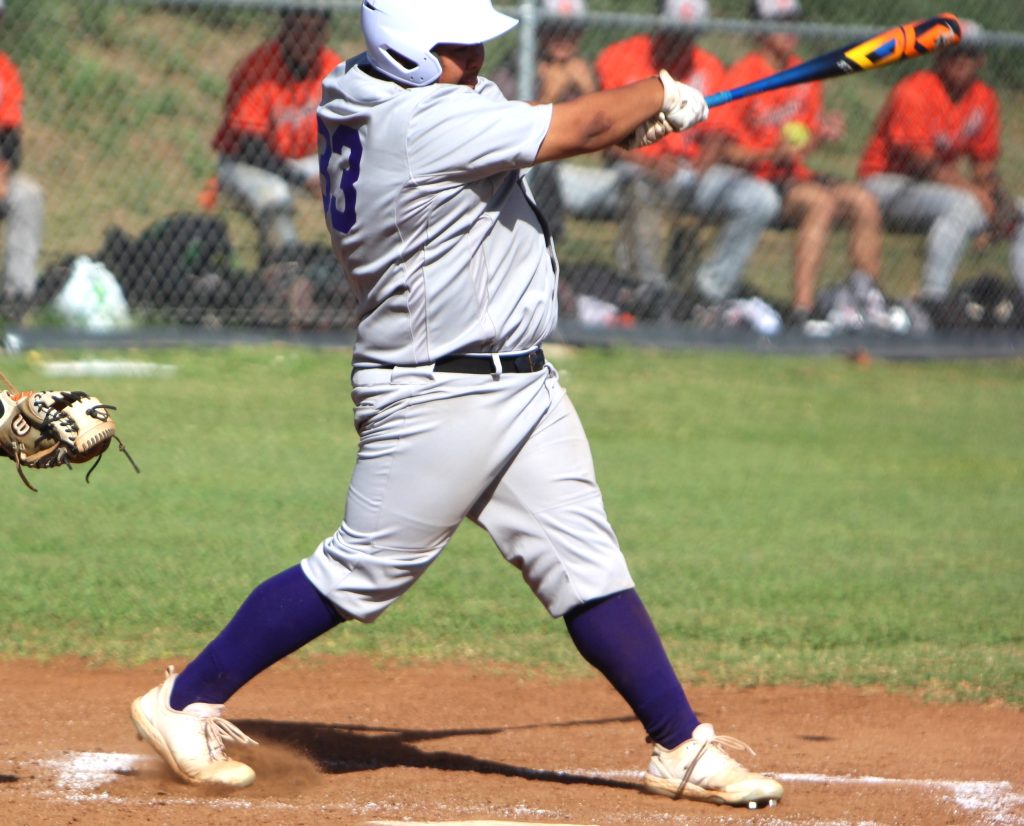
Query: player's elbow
(575, 133)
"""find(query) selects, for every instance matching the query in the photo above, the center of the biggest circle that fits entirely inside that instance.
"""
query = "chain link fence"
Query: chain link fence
(124, 105)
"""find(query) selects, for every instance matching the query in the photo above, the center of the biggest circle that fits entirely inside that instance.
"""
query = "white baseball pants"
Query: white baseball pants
(508, 451)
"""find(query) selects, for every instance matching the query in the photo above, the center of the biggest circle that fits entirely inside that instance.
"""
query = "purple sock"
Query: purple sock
(617, 637)
(280, 616)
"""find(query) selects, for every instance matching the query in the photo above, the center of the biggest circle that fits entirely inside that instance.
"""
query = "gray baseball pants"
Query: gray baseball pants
(267, 198)
(23, 237)
(743, 206)
(948, 216)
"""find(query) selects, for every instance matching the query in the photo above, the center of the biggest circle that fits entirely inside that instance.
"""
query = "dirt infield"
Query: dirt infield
(345, 740)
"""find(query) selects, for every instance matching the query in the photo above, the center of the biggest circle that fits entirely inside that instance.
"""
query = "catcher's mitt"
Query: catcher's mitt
(55, 427)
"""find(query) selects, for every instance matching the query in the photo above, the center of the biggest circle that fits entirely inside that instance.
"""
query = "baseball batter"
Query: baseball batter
(458, 412)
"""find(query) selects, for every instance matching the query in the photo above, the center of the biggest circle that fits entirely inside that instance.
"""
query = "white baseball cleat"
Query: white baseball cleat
(191, 741)
(700, 770)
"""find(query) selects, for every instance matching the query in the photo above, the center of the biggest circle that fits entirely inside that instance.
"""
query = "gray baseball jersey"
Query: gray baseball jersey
(431, 217)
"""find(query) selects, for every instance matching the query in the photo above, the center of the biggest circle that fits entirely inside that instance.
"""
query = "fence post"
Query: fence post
(526, 65)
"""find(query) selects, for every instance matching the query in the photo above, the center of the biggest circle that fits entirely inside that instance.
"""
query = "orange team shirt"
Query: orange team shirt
(919, 114)
(11, 94)
(756, 122)
(628, 61)
(264, 99)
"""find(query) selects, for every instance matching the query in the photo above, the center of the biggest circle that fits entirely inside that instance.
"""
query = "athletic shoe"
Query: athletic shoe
(844, 315)
(190, 741)
(699, 770)
(869, 300)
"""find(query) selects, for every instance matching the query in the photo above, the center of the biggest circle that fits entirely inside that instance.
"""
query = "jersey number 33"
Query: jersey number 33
(339, 171)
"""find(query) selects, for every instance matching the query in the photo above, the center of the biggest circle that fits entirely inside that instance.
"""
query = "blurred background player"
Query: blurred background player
(268, 140)
(21, 197)
(773, 133)
(681, 173)
(932, 164)
(564, 188)
(562, 72)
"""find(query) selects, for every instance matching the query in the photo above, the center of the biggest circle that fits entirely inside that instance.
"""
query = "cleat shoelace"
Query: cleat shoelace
(719, 740)
(217, 730)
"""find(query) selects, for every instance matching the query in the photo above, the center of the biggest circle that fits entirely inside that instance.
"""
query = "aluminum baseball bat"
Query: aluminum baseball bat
(898, 43)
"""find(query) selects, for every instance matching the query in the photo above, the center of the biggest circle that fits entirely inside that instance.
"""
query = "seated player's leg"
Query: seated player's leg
(811, 207)
(948, 215)
(860, 213)
(745, 206)
(266, 198)
(1017, 247)
(24, 234)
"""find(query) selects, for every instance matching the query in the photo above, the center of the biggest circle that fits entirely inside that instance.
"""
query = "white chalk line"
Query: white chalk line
(79, 776)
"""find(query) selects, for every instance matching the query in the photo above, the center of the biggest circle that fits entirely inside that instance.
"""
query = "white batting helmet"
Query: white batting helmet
(400, 33)
(566, 8)
(685, 11)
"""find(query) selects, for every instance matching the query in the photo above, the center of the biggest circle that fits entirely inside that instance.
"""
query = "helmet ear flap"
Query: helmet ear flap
(398, 53)
(412, 72)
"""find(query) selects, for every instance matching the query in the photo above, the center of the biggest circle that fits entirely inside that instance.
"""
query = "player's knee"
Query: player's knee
(25, 193)
(862, 207)
(864, 203)
(813, 205)
(761, 203)
(964, 209)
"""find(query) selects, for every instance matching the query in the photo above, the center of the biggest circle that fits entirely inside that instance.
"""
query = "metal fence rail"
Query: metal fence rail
(123, 98)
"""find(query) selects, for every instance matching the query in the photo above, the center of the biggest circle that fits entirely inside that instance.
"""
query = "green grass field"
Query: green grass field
(787, 520)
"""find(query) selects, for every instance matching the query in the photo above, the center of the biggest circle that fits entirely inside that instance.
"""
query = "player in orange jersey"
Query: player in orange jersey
(267, 140)
(773, 133)
(932, 164)
(681, 172)
(21, 197)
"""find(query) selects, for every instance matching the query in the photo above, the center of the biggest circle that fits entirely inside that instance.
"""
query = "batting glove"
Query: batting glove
(648, 132)
(683, 106)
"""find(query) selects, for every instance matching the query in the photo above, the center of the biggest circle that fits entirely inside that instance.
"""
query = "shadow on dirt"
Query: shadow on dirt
(338, 749)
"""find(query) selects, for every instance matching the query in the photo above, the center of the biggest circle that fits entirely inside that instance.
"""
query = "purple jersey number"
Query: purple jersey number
(344, 137)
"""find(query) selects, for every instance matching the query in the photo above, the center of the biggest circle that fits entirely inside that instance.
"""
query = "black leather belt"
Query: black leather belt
(529, 362)
(525, 363)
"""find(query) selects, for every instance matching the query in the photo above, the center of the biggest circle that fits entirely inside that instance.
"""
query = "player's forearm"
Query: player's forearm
(601, 119)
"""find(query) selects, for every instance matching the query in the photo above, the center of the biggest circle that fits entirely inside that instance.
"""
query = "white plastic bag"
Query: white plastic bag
(92, 299)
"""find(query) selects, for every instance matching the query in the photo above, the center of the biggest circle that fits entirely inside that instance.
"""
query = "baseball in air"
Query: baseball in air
(796, 133)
